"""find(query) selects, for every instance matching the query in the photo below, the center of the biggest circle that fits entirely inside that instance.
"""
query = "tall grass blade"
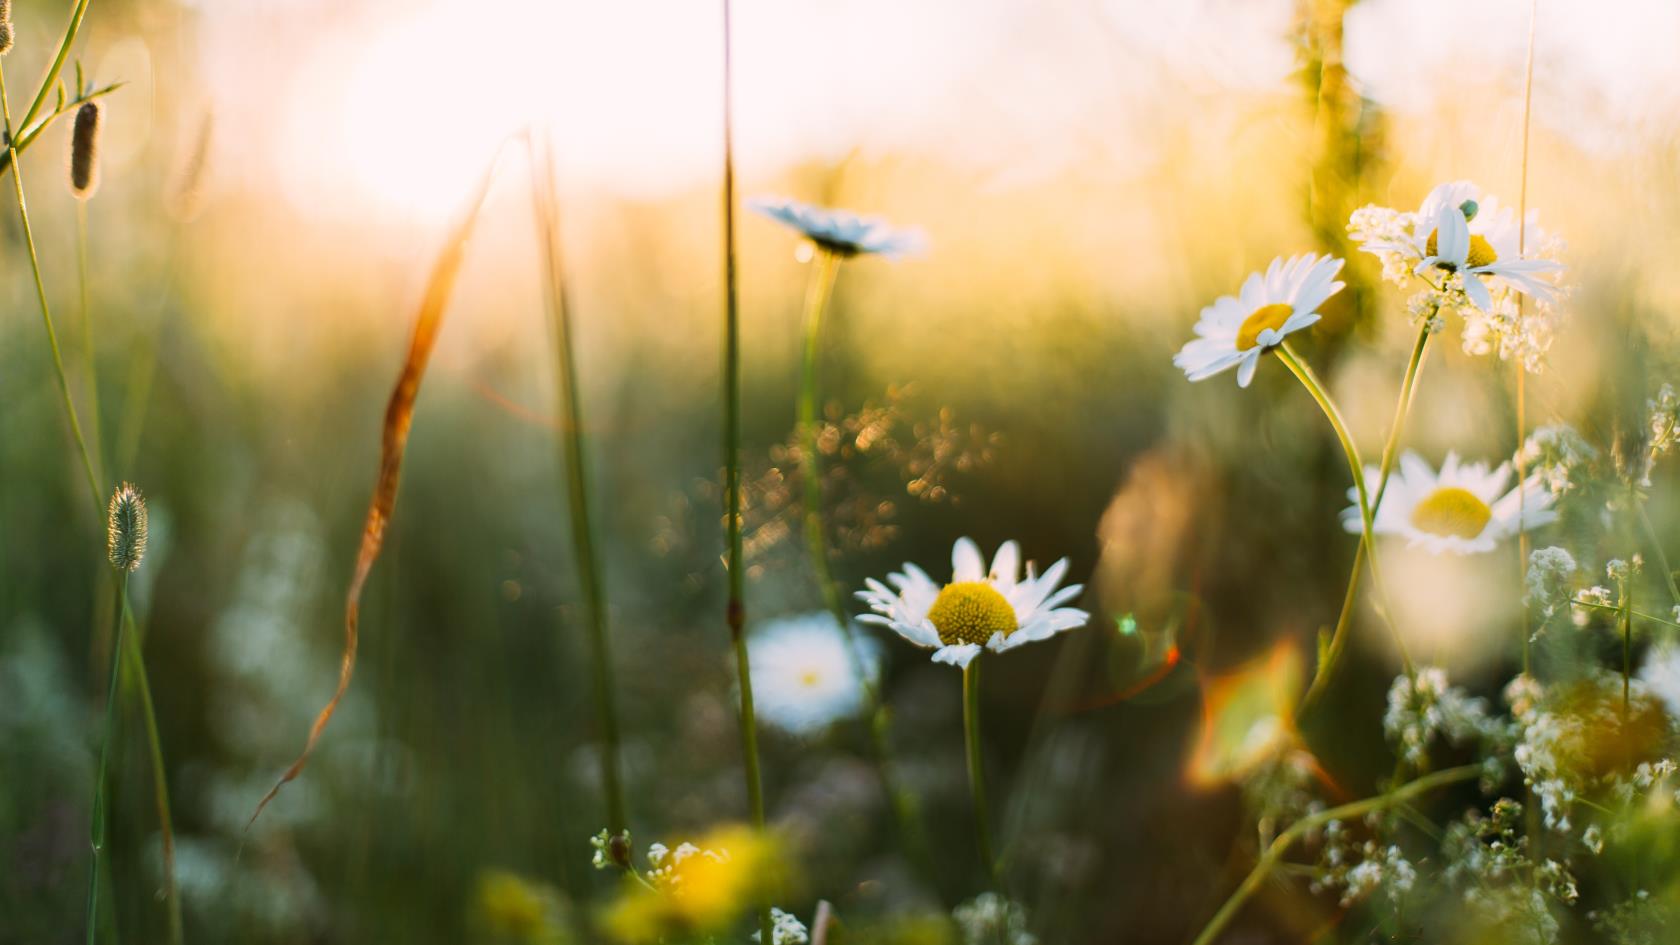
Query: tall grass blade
(399, 416)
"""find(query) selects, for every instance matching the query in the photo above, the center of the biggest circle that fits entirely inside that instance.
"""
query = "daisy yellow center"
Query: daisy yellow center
(1266, 316)
(1451, 512)
(809, 678)
(970, 612)
(1481, 251)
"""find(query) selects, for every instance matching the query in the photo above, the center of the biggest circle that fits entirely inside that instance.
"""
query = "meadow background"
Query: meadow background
(1089, 175)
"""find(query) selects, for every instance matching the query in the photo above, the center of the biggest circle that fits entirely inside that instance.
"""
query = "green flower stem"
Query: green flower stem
(1402, 407)
(735, 614)
(575, 459)
(824, 270)
(976, 766)
(50, 80)
(1321, 394)
(97, 829)
(1352, 811)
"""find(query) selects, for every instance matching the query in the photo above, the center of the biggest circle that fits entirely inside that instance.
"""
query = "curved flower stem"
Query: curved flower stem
(1629, 610)
(735, 614)
(1351, 811)
(1338, 639)
(575, 460)
(824, 269)
(1321, 394)
(976, 766)
(97, 830)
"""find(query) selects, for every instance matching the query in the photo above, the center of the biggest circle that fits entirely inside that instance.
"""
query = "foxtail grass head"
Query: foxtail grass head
(84, 151)
(5, 27)
(125, 528)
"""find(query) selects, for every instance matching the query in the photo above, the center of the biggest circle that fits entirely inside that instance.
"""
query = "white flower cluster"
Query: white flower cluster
(1550, 572)
(991, 919)
(602, 844)
(785, 929)
(1664, 419)
(1425, 706)
(1354, 871)
(1500, 885)
(1475, 258)
(663, 861)
(1558, 455)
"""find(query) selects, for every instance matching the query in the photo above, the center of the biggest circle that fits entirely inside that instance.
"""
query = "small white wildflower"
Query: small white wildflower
(803, 677)
(1549, 573)
(1558, 455)
(1661, 675)
(1236, 330)
(842, 232)
(1462, 509)
(990, 919)
(785, 929)
(1593, 839)
(602, 844)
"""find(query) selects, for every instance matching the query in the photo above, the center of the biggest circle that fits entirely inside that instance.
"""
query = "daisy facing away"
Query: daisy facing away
(1236, 330)
(803, 678)
(1464, 509)
(842, 232)
(997, 610)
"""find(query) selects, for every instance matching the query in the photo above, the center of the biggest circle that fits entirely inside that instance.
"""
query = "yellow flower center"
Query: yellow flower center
(1481, 251)
(1266, 316)
(970, 612)
(1451, 512)
(809, 678)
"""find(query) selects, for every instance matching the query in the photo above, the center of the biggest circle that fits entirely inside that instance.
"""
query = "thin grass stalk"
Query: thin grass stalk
(825, 269)
(1347, 812)
(393, 444)
(1402, 408)
(1522, 371)
(735, 614)
(576, 463)
(50, 80)
(160, 782)
(89, 366)
(977, 767)
(1304, 373)
(98, 863)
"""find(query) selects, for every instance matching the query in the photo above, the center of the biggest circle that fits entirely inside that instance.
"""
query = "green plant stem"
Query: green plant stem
(1402, 408)
(824, 270)
(1656, 544)
(1321, 394)
(576, 463)
(735, 614)
(1618, 609)
(160, 781)
(46, 310)
(89, 362)
(50, 80)
(977, 767)
(97, 829)
(1351, 811)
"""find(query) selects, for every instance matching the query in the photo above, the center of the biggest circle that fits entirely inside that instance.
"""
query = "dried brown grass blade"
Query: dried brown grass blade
(399, 416)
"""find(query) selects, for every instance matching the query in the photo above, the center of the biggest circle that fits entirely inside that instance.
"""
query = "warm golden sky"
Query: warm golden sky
(400, 102)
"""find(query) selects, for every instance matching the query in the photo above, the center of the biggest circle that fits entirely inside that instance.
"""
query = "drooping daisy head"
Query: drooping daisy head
(803, 678)
(842, 232)
(995, 609)
(1236, 330)
(1463, 509)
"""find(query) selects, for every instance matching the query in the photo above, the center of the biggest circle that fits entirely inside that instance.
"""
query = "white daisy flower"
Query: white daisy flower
(803, 678)
(1460, 509)
(842, 232)
(1236, 330)
(1459, 231)
(995, 610)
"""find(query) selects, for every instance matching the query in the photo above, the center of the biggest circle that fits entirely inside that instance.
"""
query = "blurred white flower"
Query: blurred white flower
(842, 232)
(803, 678)
(991, 919)
(1661, 674)
(785, 929)
(1459, 509)
(1236, 330)
(995, 609)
